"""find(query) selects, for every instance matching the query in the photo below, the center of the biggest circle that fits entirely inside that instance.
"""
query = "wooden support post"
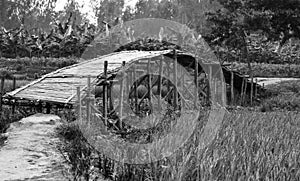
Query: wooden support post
(14, 87)
(211, 84)
(196, 82)
(251, 89)
(175, 80)
(92, 110)
(1, 93)
(88, 98)
(135, 90)
(110, 97)
(223, 93)
(245, 91)
(168, 73)
(215, 80)
(79, 105)
(232, 85)
(104, 101)
(149, 81)
(242, 90)
(121, 96)
(159, 84)
(256, 84)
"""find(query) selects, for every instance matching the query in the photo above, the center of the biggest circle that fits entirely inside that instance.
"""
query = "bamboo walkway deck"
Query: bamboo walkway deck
(60, 86)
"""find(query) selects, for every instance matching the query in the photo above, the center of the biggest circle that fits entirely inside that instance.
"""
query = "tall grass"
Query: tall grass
(284, 96)
(249, 146)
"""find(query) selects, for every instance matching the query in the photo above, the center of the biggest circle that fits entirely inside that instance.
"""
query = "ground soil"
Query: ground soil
(31, 150)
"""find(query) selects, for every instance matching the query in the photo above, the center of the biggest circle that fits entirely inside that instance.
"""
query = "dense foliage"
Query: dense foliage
(234, 25)
(255, 31)
(270, 70)
(64, 40)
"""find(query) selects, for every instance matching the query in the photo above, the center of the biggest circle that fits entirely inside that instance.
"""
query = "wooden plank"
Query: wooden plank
(42, 98)
(47, 92)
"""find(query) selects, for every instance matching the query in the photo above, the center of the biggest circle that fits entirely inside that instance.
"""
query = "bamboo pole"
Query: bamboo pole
(92, 111)
(14, 87)
(135, 90)
(251, 90)
(232, 85)
(79, 105)
(1, 93)
(196, 82)
(104, 102)
(242, 90)
(245, 90)
(159, 84)
(215, 80)
(168, 73)
(88, 115)
(149, 81)
(121, 96)
(256, 83)
(111, 99)
(224, 91)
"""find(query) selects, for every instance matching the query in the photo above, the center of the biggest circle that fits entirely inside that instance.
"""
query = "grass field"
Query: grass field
(249, 146)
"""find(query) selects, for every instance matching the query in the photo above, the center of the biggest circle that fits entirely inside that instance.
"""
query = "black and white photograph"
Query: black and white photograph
(149, 90)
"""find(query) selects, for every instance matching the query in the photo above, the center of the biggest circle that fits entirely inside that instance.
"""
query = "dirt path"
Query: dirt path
(30, 151)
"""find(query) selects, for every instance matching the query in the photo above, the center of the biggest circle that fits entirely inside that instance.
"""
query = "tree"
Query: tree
(108, 11)
(278, 20)
(15, 13)
(192, 13)
(188, 12)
